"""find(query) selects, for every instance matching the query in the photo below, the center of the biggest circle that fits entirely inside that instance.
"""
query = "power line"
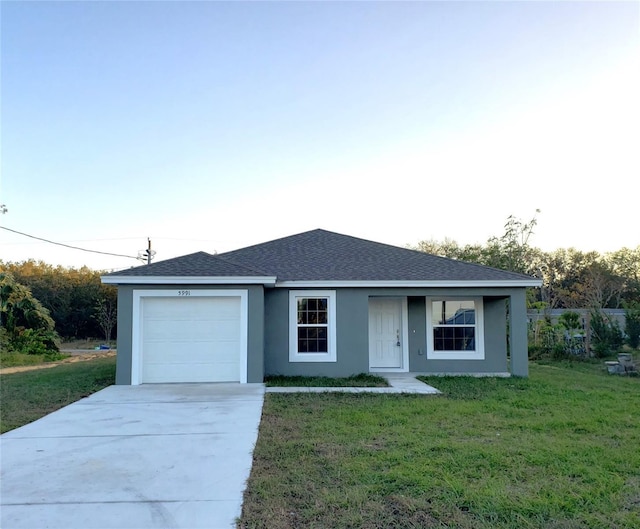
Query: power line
(67, 245)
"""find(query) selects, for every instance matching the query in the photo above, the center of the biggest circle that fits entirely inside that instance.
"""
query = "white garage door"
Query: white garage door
(191, 339)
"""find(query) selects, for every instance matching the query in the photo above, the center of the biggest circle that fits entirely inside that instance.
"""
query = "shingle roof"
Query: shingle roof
(321, 255)
(200, 264)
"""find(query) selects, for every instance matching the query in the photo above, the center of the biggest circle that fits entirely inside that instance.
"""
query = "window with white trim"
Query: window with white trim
(455, 329)
(312, 326)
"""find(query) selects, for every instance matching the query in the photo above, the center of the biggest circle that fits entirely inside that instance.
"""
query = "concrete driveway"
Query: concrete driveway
(165, 455)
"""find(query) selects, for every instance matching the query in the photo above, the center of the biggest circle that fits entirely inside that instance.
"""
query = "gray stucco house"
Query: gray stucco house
(317, 303)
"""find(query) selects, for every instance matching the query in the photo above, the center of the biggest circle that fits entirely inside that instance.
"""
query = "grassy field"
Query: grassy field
(29, 395)
(560, 450)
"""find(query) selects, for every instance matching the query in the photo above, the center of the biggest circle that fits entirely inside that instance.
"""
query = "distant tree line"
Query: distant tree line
(571, 279)
(75, 299)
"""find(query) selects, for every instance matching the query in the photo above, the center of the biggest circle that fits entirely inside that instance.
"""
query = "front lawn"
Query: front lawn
(29, 395)
(560, 450)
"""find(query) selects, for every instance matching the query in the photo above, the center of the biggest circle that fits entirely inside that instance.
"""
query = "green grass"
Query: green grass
(361, 380)
(560, 450)
(29, 395)
(22, 359)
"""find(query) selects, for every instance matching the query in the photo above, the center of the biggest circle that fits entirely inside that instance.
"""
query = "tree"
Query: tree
(625, 263)
(26, 325)
(601, 287)
(70, 294)
(573, 338)
(632, 324)
(106, 315)
(606, 336)
(511, 251)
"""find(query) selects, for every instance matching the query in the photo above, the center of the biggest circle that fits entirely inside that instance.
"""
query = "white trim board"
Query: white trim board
(272, 281)
(188, 280)
(416, 284)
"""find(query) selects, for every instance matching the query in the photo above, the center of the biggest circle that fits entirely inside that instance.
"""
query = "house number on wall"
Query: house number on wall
(184, 292)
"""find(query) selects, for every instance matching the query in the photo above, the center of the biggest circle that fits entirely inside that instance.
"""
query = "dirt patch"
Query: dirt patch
(72, 359)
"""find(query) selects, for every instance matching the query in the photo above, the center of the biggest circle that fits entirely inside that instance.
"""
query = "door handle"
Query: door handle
(397, 337)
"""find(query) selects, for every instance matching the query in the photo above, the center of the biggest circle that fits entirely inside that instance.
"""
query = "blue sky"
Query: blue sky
(215, 125)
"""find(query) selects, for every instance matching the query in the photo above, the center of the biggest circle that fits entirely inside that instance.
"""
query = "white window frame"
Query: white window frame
(294, 355)
(478, 354)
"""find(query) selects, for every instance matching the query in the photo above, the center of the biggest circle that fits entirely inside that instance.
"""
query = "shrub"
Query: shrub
(573, 333)
(27, 327)
(561, 341)
(36, 342)
(632, 324)
(543, 337)
(606, 336)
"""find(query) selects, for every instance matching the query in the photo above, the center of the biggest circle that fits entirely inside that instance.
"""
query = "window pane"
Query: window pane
(302, 311)
(453, 312)
(313, 311)
(313, 340)
(436, 313)
(470, 338)
(454, 338)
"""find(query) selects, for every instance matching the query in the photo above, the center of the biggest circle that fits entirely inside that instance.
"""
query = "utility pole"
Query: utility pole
(146, 255)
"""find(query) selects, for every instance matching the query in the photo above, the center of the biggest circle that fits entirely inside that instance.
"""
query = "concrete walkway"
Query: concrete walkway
(151, 456)
(398, 383)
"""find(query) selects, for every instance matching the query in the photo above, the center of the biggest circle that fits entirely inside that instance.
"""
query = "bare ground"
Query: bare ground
(76, 356)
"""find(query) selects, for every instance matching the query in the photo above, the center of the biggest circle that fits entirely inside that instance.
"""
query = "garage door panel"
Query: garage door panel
(191, 308)
(194, 339)
(193, 353)
(160, 331)
(156, 373)
(174, 308)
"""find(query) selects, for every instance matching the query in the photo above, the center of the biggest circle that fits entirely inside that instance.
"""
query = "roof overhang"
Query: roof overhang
(513, 283)
(271, 281)
(189, 280)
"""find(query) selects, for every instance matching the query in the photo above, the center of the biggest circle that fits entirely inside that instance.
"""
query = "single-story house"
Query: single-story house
(317, 303)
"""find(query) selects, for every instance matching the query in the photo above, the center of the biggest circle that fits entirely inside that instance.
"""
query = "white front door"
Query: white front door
(386, 334)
